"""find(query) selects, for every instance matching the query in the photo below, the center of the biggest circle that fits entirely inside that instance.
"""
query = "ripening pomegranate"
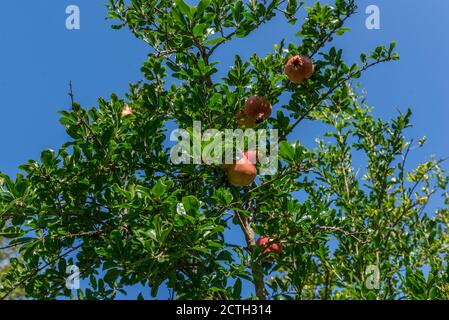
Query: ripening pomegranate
(245, 122)
(241, 173)
(273, 247)
(299, 68)
(127, 110)
(257, 108)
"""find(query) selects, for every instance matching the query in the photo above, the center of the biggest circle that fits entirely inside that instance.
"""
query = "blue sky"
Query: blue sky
(38, 57)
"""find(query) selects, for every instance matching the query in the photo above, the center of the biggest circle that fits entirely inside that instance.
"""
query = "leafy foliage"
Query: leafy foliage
(109, 200)
(7, 253)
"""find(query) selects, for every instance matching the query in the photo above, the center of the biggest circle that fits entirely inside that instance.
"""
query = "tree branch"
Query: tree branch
(326, 95)
(257, 270)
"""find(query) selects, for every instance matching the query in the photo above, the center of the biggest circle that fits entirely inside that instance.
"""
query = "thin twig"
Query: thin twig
(343, 232)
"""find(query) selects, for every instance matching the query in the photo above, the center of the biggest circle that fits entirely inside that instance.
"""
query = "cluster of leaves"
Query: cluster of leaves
(7, 253)
(111, 202)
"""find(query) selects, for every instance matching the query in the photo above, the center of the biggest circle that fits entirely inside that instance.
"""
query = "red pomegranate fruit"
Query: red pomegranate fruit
(257, 108)
(299, 68)
(263, 241)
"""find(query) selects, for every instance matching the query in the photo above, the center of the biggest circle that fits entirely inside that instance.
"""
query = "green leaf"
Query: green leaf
(371, 296)
(152, 235)
(237, 290)
(200, 249)
(47, 157)
(159, 189)
(223, 196)
(215, 40)
(183, 7)
(225, 255)
(287, 151)
(237, 11)
(202, 6)
(342, 31)
(111, 276)
(154, 290)
(199, 29)
(191, 205)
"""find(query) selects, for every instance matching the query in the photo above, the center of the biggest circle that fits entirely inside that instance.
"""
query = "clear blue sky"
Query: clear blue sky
(38, 57)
